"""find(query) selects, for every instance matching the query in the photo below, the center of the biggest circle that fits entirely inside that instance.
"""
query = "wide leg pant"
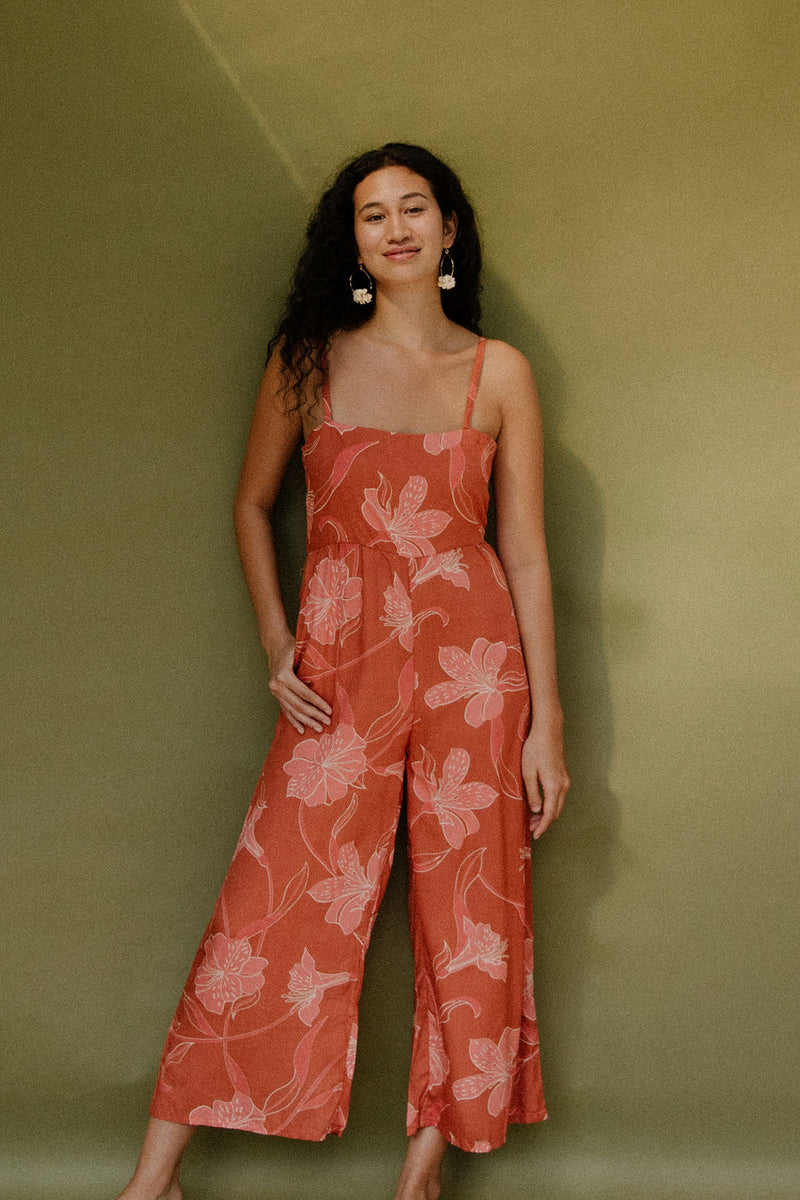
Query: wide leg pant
(428, 690)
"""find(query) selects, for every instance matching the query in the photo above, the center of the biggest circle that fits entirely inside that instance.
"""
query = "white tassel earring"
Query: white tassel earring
(446, 280)
(362, 295)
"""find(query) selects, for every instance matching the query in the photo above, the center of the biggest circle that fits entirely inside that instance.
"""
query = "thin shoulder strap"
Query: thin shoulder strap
(474, 381)
(326, 389)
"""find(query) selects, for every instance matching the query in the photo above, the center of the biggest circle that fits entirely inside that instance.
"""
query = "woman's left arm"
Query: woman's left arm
(518, 475)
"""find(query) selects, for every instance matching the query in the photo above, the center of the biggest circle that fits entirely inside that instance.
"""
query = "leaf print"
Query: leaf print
(247, 838)
(466, 501)
(286, 1094)
(310, 503)
(450, 799)
(293, 891)
(341, 466)
(487, 458)
(409, 529)
(307, 986)
(435, 443)
(228, 971)
(529, 1007)
(333, 599)
(497, 567)
(477, 943)
(438, 1062)
(350, 1060)
(197, 1017)
(322, 769)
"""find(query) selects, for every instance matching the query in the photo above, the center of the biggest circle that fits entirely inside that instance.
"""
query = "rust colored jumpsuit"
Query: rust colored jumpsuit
(407, 628)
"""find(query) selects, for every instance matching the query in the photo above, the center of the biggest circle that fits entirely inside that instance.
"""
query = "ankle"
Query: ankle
(157, 1186)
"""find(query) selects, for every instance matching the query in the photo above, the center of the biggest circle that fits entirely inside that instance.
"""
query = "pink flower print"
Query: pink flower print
(334, 598)
(528, 1006)
(350, 1060)
(435, 443)
(307, 985)
(238, 1113)
(446, 564)
(481, 1147)
(398, 614)
(323, 768)
(229, 970)
(480, 946)
(438, 1062)
(475, 675)
(409, 529)
(349, 892)
(452, 801)
(496, 1063)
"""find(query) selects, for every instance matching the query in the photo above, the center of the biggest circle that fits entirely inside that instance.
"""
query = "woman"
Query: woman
(421, 660)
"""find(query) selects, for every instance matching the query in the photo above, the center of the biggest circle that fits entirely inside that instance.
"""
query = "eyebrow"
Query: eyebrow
(379, 203)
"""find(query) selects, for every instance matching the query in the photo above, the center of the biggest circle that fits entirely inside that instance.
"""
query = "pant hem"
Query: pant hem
(336, 1130)
(477, 1146)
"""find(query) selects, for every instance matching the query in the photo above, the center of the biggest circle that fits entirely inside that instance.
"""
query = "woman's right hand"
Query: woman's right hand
(302, 706)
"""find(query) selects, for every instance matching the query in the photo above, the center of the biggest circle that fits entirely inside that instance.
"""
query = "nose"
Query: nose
(396, 228)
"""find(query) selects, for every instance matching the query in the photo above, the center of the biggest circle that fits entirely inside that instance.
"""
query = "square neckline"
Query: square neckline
(397, 432)
(466, 426)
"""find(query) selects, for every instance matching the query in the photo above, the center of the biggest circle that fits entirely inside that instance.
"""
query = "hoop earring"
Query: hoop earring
(361, 295)
(446, 280)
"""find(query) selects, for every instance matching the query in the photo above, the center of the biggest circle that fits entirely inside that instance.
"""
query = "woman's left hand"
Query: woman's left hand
(543, 763)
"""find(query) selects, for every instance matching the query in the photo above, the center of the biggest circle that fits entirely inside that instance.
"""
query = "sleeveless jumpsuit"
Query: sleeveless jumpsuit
(406, 627)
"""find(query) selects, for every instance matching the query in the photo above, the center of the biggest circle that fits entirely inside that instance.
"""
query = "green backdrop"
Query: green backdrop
(635, 170)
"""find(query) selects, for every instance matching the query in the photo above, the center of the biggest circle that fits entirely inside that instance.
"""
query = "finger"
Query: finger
(307, 694)
(306, 718)
(549, 812)
(292, 695)
(295, 724)
(539, 824)
(310, 712)
(534, 795)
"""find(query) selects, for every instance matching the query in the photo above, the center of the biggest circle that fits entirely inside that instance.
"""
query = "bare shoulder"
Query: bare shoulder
(505, 366)
(508, 381)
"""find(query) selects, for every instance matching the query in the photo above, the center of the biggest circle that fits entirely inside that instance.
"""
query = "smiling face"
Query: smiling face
(399, 228)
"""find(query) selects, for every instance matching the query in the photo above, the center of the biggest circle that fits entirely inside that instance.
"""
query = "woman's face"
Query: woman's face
(399, 228)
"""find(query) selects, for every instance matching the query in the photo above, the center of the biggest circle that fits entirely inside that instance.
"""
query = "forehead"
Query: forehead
(388, 185)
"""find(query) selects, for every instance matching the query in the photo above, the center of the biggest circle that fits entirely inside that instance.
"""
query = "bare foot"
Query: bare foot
(137, 1190)
(421, 1176)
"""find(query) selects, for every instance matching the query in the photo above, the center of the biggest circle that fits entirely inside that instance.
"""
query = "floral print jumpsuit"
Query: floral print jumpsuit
(407, 628)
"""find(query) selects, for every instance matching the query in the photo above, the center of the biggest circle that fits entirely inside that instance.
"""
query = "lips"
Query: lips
(408, 252)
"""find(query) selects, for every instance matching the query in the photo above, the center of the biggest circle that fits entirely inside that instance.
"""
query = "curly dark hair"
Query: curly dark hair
(320, 301)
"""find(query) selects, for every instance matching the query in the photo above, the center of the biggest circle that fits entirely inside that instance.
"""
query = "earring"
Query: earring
(362, 295)
(446, 281)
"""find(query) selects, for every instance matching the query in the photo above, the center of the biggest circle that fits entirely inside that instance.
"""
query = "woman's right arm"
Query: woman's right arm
(273, 436)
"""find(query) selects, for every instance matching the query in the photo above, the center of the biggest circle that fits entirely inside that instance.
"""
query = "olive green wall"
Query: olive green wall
(635, 169)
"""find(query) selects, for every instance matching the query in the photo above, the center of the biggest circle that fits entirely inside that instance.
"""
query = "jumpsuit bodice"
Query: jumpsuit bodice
(414, 494)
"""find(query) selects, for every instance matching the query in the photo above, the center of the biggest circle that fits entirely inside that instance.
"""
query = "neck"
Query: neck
(411, 317)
